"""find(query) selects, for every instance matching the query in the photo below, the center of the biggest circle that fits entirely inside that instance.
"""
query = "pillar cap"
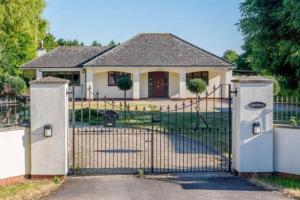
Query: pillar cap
(252, 79)
(50, 80)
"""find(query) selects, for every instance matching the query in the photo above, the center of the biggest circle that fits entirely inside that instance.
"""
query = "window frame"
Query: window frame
(193, 74)
(72, 80)
(118, 74)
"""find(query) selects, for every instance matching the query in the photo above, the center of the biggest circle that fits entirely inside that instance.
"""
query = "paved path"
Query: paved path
(127, 150)
(131, 188)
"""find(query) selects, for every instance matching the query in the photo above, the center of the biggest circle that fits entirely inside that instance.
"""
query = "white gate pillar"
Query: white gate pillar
(49, 109)
(252, 150)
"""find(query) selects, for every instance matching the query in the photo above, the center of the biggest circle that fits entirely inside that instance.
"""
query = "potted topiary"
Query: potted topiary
(197, 86)
(124, 83)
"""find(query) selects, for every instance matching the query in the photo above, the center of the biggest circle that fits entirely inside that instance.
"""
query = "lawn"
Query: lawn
(28, 189)
(289, 186)
(210, 128)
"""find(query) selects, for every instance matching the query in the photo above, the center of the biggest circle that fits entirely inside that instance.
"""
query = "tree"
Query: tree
(63, 42)
(21, 27)
(231, 56)
(50, 42)
(112, 44)
(124, 83)
(197, 86)
(11, 84)
(271, 32)
(95, 43)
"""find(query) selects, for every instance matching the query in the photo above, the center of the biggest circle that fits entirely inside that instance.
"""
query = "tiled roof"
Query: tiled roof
(157, 49)
(66, 57)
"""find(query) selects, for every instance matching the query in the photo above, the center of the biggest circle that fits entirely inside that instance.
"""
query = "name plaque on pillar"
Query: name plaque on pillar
(257, 105)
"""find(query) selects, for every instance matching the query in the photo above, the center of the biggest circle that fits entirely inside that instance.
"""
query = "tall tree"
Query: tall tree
(271, 30)
(21, 27)
(63, 42)
(231, 56)
(50, 42)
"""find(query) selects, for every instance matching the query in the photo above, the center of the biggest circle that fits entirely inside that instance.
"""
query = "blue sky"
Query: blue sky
(209, 24)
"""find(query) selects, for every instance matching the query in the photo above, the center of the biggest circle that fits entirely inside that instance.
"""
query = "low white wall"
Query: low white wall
(286, 150)
(14, 152)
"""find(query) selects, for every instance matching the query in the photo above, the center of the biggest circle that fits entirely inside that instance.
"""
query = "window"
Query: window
(73, 77)
(197, 75)
(114, 76)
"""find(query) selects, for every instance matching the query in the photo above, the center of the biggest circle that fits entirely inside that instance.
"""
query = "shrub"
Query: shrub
(56, 180)
(124, 83)
(196, 86)
(12, 84)
(276, 87)
(84, 115)
(293, 121)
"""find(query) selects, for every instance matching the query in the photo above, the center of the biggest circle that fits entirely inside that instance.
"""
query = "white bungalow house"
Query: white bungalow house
(160, 64)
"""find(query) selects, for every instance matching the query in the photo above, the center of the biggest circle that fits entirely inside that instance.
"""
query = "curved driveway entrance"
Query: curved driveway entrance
(172, 188)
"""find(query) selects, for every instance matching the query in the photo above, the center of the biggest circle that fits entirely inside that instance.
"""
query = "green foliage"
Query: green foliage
(140, 173)
(276, 87)
(196, 86)
(50, 42)
(14, 84)
(271, 32)
(88, 116)
(113, 44)
(231, 56)
(21, 27)
(293, 121)
(124, 83)
(95, 43)
(56, 180)
(63, 42)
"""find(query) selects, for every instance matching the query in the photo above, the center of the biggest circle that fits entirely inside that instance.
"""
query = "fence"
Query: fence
(14, 111)
(155, 137)
(287, 110)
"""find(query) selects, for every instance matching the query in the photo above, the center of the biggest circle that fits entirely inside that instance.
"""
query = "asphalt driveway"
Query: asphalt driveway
(164, 188)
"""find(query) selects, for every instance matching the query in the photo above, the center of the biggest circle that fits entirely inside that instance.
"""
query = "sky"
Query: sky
(209, 24)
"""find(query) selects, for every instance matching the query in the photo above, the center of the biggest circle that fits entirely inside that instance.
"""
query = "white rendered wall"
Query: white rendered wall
(144, 85)
(14, 152)
(286, 150)
(252, 153)
(101, 85)
(49, 105)
(79, 89)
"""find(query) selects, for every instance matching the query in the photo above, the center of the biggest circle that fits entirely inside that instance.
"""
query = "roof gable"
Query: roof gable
(62, 57)
(157, 49)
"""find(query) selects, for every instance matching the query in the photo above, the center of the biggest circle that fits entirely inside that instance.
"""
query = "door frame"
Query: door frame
(150, 84)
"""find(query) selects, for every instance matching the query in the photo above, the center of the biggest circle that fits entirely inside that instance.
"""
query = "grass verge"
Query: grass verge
(288, 186)
(28, 190)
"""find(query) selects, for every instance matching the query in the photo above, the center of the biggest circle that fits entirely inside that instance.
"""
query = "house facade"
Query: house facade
(159, 64)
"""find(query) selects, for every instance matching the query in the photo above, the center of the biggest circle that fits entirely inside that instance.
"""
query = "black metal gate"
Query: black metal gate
(160, 136)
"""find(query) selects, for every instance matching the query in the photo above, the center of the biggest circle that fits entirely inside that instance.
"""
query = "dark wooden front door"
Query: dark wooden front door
(158, 82)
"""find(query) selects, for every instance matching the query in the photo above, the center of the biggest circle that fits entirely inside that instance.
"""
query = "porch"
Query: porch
(152, 82)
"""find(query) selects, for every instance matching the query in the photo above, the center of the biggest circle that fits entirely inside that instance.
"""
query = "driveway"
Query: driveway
(164, 188)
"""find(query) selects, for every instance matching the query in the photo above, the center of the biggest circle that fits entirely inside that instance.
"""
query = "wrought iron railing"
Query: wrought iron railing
(109, 137)
(14, 111)
(287, 110)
